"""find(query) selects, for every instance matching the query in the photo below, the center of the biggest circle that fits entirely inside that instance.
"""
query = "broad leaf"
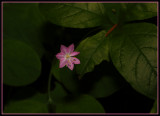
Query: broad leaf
(154, 108)
(133, 51)
(100, 86)
(80, 104)
(23, 22)
(139, 11)
(120, 12)
(103, 81)
(58, 94)
(106, 86)
(84, 15)
(75, 104)
(33, 104)
(93, 50)
(114, 11)
(75, 15)
(21, 64)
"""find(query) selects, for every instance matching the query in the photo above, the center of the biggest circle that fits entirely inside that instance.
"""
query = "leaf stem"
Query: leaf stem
(49, 87)
(111, 29)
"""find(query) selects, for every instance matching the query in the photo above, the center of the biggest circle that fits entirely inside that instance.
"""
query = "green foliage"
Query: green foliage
(67, 103)
(154, 108)
(124, 12)
(22, 65)
(23, 22)
(82, 15)
(127, 55)
(58, 94)
(134, 53)
(139, 11)
(114, 11)
(65, 76)
(80, 104)
(30, 105)
(94, 50)
(106, 86)
(100, 86)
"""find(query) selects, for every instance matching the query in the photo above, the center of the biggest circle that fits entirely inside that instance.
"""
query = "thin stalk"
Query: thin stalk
(111, 29)
(49, 88)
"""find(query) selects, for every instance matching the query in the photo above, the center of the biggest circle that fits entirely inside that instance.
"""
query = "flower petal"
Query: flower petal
(70, 48)
(74, 53)
(75, 60)
(62, 63)
(60, 55)
(64, 49)
(70, 65)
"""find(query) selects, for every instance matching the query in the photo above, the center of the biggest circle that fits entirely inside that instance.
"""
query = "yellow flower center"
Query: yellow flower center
(67, 56)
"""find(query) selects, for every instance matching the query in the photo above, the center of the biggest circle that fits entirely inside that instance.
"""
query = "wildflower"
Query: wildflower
(66, 57)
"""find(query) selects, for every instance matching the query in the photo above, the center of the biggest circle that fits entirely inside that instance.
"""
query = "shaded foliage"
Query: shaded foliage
(106, 81)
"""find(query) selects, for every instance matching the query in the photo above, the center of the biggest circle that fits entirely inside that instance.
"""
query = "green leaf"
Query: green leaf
(84, 15)
(106, 86)
(103, 81)
(75, 104)
(81, 104)
(21, 64)
(58, 94)
(29, 105)
(139, 11)
(154, 108)
(100, 86)
(114, 11)
(133, 51)
(75, 15)
(23, 22)
(93, 50)
(65, 76)
(122, 12)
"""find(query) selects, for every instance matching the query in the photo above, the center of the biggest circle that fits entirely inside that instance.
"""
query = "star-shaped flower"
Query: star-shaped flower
(66, 57)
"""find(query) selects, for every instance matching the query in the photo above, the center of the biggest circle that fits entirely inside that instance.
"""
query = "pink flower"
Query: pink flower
(65, 57)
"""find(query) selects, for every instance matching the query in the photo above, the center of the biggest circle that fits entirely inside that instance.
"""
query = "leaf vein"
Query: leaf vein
(82, 9)
(75, 13)
(92, 55)
(85, 20)
(136, 67)
(144, 56)
(120, 56)
(101, 9)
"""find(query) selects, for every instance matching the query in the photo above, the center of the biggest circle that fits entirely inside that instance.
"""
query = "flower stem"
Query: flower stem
(51, 105)
(49, 88)
(111, 29)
